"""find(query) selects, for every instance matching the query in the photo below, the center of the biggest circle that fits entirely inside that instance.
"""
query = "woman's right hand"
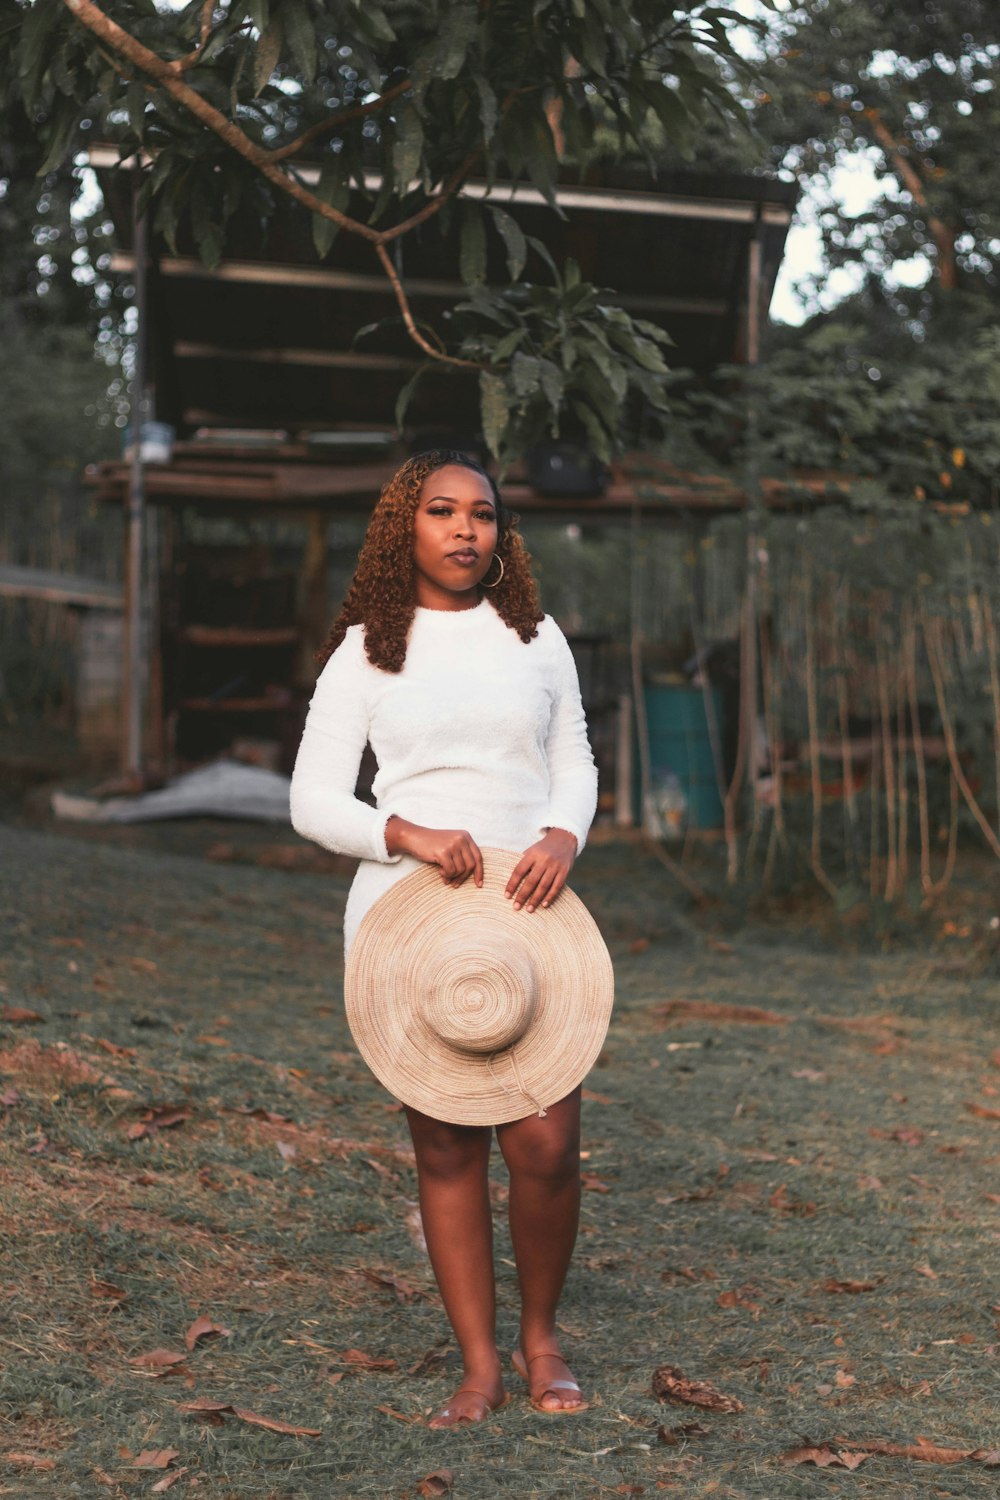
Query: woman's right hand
(453, 850)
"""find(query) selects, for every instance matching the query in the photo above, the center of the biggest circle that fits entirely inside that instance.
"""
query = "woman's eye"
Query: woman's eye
(485, 515)
(439, 510)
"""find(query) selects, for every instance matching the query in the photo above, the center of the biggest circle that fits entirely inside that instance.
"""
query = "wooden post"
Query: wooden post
(133, 680)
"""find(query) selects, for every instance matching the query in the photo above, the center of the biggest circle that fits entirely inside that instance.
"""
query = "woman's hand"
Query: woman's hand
(541, 872)
(452, 849)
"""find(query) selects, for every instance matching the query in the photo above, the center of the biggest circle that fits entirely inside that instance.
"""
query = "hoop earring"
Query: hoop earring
(496, 558)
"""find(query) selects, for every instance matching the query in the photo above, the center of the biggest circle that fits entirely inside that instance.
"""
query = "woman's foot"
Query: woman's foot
(473, 1402)
(550, 1382)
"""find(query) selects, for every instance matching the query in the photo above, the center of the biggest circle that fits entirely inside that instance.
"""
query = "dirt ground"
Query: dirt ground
(800, 1209)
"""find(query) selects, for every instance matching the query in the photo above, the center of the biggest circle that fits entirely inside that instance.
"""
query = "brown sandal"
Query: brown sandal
(464, 1419)
(550, 1387)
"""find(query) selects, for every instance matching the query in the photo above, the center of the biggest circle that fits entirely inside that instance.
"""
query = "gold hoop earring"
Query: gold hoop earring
(495, 558)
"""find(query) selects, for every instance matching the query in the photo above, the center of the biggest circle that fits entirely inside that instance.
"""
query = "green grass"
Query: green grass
(760, 1161)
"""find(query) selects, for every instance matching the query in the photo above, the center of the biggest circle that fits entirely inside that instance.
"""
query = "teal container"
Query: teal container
(680, 741)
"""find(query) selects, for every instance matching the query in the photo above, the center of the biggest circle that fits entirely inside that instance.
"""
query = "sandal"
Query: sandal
(451, 1416)
(548, 1387)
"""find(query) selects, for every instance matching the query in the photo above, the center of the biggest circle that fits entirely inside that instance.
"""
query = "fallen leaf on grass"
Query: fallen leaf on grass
(983, 1111)
(398, 1416)
(157, 1119)
(30, 1461)
(849, 1288)
(924, 1451)
(870, 1185)
(258, 1112)
(433, 1486)
(671, 1436)
(843, 1380)
(204, 1328)
(697, 1195)
(670, 1385)
(105, 1289)
(362, 1361)
(811, 1075)
(739, 1298)
(716, 1010)
(155, 1458)
(17, 1015)
(168, 1479)
(430, 1360)
(157, 1359)
(593, 1098)
(214, 1412)
(9, 1098)
(114, 1048)
(926, 1270)
(144, 965)
(825, 1458)
(780, 1201)
(405, 1291)
(592, 1184)
(286, 1150)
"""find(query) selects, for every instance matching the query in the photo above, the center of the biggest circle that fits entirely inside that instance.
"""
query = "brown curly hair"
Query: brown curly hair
(382, 594)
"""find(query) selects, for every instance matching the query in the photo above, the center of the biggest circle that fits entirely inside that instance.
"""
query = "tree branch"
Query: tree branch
(943, 234)
(404, 306)
(109, 32)
(181, 64)
(357, 112)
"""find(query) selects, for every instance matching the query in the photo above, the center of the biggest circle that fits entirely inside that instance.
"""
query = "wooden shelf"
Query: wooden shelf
(239, 635)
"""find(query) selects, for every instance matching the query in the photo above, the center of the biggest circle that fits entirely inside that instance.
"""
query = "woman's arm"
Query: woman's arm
(542, 870)
(323, 805)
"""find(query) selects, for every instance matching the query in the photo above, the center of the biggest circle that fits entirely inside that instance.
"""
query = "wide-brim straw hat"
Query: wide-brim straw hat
(470, 1011)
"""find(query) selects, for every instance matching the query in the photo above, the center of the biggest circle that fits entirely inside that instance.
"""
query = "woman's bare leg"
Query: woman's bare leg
(452, 1172)
(543, 1158)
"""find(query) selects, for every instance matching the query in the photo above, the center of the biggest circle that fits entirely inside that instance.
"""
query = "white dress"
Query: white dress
(480, 730)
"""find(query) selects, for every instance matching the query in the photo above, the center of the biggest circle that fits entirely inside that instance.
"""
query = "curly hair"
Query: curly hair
(382, 595)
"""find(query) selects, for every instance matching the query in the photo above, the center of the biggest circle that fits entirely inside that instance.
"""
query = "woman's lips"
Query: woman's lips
(465, 557)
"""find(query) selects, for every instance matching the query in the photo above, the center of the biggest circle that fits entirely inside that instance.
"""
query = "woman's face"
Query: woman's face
(454, 537)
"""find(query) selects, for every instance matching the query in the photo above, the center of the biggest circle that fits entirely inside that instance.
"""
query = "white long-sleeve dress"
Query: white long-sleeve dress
(480, 730)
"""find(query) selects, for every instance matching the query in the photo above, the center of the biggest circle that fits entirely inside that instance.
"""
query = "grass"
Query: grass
(748, 1169)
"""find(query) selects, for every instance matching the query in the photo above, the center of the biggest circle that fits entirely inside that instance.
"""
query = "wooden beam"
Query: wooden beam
(328, 359)
(59, 588)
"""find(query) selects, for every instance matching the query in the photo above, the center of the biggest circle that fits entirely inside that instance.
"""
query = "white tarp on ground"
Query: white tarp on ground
(225, 789)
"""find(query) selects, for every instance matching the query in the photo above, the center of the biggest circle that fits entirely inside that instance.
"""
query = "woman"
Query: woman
(442, 659)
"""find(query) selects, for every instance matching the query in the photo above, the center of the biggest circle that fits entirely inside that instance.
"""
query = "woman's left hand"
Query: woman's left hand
(541, 872)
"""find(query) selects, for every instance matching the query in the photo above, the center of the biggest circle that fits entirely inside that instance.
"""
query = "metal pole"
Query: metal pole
(135, 518)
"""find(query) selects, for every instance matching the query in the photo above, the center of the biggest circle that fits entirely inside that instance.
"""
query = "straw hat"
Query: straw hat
(470, 1011)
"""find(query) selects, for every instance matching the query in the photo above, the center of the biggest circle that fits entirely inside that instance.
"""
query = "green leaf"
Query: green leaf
(63, 124)
(408, 146)
(505, 347)
(472, 245)
(266, 54)
(488, 111)
(331, 189)
(493, 410)
(41, 20)
(301, 32)
(514, 240)
(406, 395)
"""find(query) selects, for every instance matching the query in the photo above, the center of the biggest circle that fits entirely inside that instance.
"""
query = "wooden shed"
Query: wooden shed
(285, 422)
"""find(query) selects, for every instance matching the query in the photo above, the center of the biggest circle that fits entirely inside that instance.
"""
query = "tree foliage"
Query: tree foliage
(397, 103)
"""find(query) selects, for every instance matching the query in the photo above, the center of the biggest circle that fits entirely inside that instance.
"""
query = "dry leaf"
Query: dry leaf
(593, 1098)
(780, 1200)
(157, 1119)
(670, 1385)
(671, 1436)
(842, 1379)
(362, 1361)
(398, 1416)
(824, 1458)
(214, 1412)
(114, 1048)
(157, 1359)
(167, 1480)
(983, 1111)
(286, 1150)
(715, 1010)
(739, 1298)
(405, 1291)
(9, 1098)
(926, 1270)
(430, 1360)
(592, 1184)
(850, 1288)
(155, 1458)
(203, 1328)
(18, 1016)
(697, 1195)
(929, 1453)
(811, 1075)
(105, 1289)
(30, 1461)
(433, 1486)
(870, 1184)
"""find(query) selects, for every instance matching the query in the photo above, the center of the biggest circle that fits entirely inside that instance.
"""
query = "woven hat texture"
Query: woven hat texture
(470, 1011)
